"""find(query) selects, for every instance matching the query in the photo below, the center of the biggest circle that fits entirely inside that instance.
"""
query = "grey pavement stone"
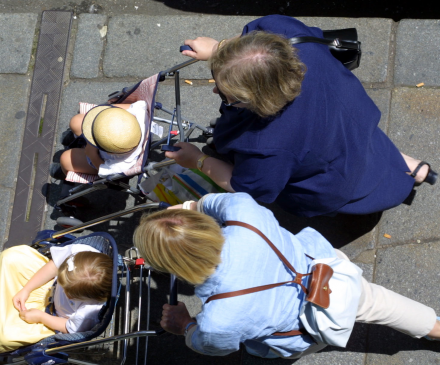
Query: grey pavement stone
(412, 271)
(89, 45)
(375, 35)
(140, 47)
(415, 129)
(12, 122)
(417, 55)
(381, 98)
(5, 204)
(16, 39)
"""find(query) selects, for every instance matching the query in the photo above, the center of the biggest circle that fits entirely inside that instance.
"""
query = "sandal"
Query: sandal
(431, 177)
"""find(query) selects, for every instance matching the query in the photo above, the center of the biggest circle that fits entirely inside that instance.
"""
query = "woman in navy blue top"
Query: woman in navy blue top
(319, 152)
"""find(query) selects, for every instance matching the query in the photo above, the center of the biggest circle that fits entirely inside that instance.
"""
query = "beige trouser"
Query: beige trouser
(382, 306)
(378, 305)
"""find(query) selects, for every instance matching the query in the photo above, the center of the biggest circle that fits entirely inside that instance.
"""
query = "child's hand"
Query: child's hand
(32, 315)
(20, 299)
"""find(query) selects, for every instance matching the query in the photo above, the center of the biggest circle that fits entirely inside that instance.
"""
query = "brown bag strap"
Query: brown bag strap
(297, 280)
(237, 293)
(301, 331)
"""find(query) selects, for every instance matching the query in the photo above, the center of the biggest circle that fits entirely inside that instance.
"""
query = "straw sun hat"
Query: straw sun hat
(111, 129)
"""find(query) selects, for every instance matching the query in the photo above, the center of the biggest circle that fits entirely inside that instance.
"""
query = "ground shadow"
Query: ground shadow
(394, 9)
(339, 230)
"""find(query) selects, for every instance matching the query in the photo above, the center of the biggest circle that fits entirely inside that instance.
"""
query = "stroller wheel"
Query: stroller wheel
(67, 222)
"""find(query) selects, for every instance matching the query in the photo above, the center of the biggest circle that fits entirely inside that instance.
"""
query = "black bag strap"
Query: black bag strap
(336, 42)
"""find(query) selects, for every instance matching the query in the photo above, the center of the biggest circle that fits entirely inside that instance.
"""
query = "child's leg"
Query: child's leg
(76, 124)
(76, 160)
(382, 306)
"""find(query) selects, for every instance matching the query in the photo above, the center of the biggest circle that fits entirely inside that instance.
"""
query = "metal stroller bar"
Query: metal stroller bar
(126, 336)
(178, 111)
(105, 218)
(173, 69)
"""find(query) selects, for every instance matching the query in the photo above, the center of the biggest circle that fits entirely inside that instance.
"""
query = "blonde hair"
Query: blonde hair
(260, 69)
(91, 277)
(185, 243)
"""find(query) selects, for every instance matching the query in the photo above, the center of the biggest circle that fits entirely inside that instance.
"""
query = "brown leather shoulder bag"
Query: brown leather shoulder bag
(318, 291)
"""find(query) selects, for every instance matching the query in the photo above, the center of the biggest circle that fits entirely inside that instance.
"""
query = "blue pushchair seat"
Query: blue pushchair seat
(103, 242)
(51, 350)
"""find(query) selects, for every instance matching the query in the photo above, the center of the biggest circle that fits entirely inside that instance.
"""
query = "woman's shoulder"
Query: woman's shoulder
(283, 25)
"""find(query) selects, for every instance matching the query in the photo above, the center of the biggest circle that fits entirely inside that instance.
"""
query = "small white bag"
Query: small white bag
(334, 325)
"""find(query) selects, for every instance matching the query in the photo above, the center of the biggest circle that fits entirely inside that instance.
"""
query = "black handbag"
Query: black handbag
(343, 45)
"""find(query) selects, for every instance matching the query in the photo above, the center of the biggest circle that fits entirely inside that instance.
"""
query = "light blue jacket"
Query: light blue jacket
(248, 261)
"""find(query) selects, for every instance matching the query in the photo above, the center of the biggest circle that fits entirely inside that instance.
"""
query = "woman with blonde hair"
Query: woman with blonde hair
(296, 127)
(207, 249)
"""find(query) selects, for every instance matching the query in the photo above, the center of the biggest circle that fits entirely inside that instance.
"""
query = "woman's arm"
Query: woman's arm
(37, 316)
(41, 277)
(219, 171)
(203, 47)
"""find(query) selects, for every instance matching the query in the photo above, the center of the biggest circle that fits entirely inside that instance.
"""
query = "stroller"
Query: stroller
(146, 91)
(51, 350)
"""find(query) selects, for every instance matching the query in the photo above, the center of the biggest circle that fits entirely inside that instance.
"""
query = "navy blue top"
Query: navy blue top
(323, 152)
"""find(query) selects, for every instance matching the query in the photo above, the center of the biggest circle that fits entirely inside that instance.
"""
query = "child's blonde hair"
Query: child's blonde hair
(90, 278)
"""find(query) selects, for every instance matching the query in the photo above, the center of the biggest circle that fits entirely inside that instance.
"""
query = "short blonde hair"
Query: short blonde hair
(91, 277)
(185, 243)
(260, 69)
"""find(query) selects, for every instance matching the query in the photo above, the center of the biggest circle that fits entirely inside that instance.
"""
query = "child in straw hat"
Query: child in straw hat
(114, 135)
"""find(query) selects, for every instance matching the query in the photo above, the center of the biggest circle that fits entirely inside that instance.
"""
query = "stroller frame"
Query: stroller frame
(49, 354)
(185, 129)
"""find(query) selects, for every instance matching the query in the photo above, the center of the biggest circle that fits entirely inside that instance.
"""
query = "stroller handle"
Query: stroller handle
(185, 48)
(94, 222)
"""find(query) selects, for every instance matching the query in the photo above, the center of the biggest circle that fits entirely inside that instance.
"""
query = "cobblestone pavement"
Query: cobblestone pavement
(110, 52)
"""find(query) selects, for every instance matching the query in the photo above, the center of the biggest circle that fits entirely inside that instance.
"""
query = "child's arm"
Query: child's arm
(41, 277)
(37, 316)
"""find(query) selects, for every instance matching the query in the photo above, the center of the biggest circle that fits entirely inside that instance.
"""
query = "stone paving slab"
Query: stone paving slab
(16, 40)
(412, 271)
(15, 91)
(159, 47)
(382, 98)
(415, 129)
(140, 48)
(89, 45)
(417, 44)
(375, 35)
(6, 201)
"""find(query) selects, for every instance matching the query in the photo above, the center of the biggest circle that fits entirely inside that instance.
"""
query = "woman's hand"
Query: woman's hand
(175, 318)
(187, 156)
(203, 48)
(32, 315)
(20, 299)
